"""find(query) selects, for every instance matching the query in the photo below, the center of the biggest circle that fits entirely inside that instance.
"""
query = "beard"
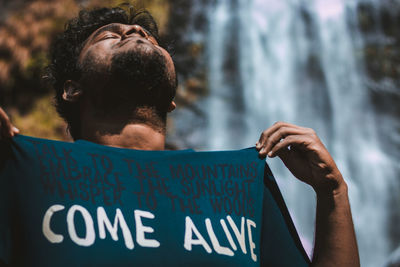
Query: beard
(136, 78)
(139, 73)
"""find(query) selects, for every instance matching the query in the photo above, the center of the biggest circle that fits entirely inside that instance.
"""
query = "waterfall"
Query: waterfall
(300, 61)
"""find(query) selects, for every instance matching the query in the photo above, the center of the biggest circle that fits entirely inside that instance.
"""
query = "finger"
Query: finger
(292, 140)
(268, 132)
(280, 134)
(15, 130)
(265, 134)
(258, 145)
(3, 115)
(7, 129)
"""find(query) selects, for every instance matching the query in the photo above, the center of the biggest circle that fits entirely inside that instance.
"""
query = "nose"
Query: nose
(134, 29)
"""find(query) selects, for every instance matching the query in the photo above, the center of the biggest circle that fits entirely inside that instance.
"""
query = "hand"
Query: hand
(303, 153)
(7, 130)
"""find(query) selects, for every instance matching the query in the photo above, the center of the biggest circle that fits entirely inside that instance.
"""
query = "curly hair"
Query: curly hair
(66, 47)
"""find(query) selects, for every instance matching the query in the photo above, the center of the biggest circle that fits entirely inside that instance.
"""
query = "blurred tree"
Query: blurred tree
(24, 40)
(25, 35)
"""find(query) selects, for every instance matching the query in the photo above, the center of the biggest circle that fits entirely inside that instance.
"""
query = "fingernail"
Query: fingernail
(15, 129)
(257, 145)
(262, 150)
(270, 154)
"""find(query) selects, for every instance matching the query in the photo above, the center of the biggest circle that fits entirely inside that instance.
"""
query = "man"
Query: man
(115, 84)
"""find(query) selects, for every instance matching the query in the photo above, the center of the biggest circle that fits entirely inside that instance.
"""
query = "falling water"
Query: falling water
(300, 61)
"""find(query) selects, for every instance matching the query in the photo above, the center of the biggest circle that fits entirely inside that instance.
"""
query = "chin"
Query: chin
(144, 67)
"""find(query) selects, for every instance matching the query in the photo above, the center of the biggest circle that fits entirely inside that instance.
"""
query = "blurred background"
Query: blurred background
(332, 65)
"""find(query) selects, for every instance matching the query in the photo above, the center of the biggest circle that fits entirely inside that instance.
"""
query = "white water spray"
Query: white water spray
(300, 61)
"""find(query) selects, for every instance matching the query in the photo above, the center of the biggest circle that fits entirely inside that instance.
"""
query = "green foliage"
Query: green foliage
(41, 121)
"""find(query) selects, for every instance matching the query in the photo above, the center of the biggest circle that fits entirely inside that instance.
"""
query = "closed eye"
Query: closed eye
(109, 36)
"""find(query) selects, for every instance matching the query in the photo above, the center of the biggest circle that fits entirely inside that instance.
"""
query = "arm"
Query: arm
(306, 157)
(7, 130)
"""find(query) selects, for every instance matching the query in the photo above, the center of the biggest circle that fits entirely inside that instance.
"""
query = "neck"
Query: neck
(133, 136)
(122, 131)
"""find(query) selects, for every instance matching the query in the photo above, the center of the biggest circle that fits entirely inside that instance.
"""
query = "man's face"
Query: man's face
(116, 38)
(124, 56)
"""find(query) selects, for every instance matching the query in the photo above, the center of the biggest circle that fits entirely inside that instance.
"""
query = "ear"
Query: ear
(72, 91)
(171, 107)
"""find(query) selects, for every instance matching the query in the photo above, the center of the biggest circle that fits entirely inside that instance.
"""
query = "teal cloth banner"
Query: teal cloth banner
(69, 204)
